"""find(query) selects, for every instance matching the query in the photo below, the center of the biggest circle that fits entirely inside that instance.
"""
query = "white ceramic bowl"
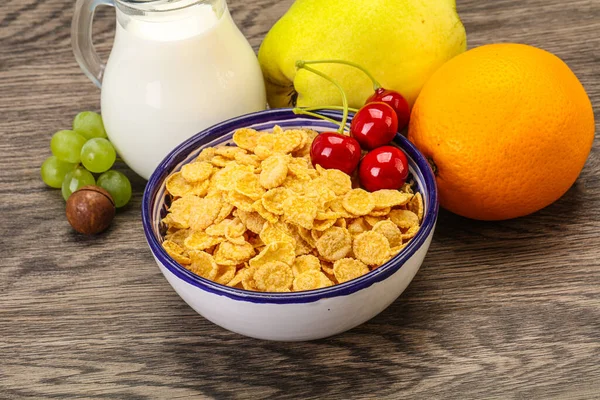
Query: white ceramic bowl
(287, 316)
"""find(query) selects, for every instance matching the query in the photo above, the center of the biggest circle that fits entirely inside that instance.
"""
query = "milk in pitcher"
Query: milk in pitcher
(171, 74)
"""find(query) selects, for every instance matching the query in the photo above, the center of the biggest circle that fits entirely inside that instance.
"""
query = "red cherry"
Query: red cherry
(374, 125)
(385, 167)
(396, 101)
(332, 150)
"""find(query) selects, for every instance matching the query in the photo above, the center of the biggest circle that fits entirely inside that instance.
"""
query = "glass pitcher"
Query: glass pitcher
(176, 67)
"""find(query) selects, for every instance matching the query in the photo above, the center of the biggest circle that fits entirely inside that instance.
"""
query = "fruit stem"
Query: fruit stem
(432, 165)
(376, 84)
(312, 114)
(301, 64)
(354, 110)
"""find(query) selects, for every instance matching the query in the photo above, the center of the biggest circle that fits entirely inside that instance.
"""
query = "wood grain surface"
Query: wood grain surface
(507, 310)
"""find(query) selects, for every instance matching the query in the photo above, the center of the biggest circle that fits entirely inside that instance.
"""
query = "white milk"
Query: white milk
(172, 74)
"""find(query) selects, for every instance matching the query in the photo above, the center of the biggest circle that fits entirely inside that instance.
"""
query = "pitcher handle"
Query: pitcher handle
(81, 39)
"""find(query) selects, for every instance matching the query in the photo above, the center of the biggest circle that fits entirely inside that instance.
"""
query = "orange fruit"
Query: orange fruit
(508, 128)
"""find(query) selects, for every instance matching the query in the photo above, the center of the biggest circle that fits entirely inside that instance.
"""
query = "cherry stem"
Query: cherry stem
(300, 65)
(354, 110)
(312, 114)
(376, 84)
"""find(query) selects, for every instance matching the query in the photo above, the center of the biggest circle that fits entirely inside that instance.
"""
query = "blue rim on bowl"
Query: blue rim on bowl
(266, 118)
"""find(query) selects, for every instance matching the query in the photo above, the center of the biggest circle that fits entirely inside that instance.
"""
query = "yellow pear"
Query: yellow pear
(400, 42)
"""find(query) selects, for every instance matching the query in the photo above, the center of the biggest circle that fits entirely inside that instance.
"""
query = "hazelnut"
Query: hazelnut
(90, 210)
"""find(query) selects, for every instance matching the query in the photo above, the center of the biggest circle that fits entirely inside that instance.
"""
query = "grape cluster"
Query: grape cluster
(78, 153)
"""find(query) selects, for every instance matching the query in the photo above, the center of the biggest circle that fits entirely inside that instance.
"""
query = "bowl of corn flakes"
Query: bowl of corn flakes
(259, 241)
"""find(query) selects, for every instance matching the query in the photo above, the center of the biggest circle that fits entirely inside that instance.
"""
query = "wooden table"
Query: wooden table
(498, 310)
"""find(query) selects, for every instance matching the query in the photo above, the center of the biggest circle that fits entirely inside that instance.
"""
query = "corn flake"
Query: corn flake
(248, 278)
(404, 219)
(274, 171)
(197, 171)
(246, 138)
(300, 211)
(248, 159)
(202, 217)
(279, 142)
(358, 202)
(201, 241)
(388, 229)
(327, 267)
(203, 264)
(235, 229)
(237, 279)
(319, 192)
(316, 235)
(177, 186)
(310, 280)
(263, 212)
(302, 248)
(277, 251)
(336, 206)
(380, 212)
(372, 248)
(294, 183)
(220, 161)
(298, 135)
(347, 269)
(225, 274)
(410, 233)
(274, 276)
(358, 226)
(206, 154)
(407, 188)
(323, 224)
(240, 201)
(218, 229)
(177, 235)
(305, 263)
(181, 210)
(335, 243)
(416, 206)
(336, 180)
(277, 232)
(306, 234)
(235, 252)
(252, 220)
(249, 186)
(200, 188)
(176, 252)
(385, 198)
(299, 168)
(273, 199)
(226, 178)
(371, 220)
(229, 151)
(224, 212)
(304, 151)
(397, 249)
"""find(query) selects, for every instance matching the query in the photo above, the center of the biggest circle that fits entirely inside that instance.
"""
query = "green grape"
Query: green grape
(98, 155)
(75, 180)
(89, 124)
(66, 145)
(117, 185)
(53, 171)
